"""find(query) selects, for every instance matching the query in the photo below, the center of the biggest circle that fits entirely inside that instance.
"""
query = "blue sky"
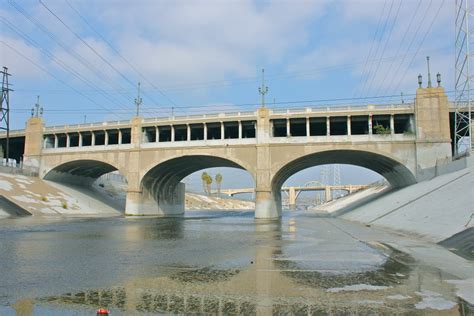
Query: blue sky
(202, 56)
(206, 56)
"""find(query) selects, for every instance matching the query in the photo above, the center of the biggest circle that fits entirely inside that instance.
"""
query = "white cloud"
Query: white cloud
(17, 64)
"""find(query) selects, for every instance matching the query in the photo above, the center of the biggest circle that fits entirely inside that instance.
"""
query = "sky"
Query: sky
(85, 58)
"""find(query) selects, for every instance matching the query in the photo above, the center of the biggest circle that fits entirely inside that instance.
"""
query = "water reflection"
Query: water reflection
(221, 265)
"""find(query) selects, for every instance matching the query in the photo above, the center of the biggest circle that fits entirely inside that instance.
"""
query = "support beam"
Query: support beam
(308, 132)
(288, 127)
(240, 129)
(370, 124)
(392, 124)
(349, 127)
(328, 126)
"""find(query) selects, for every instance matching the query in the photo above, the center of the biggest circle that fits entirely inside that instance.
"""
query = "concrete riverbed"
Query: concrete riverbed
(224, 262)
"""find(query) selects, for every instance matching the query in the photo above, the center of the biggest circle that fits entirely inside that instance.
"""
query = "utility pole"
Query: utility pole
(5, 109)
(263, 89)
(138, 100)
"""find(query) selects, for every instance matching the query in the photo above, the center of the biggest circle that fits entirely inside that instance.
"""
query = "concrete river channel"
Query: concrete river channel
(215, 263)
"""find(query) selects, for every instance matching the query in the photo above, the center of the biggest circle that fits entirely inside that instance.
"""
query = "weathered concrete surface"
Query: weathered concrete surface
(154, 169)
(434, 209)
(41, 198)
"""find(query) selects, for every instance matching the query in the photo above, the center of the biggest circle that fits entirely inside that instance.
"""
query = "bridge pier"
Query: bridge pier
(267, 205)
(141, 203)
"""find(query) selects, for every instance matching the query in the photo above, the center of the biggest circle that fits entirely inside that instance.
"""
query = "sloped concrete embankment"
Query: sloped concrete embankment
(435, 209)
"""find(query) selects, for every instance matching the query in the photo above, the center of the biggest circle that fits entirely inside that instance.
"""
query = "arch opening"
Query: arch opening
(163, 185)
(93, 181)
(396, 174)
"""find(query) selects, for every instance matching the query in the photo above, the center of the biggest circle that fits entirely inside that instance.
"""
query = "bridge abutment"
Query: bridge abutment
(33, 144)
(433, 138)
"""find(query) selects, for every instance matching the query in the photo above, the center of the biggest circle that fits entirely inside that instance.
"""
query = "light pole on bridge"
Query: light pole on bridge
(263, 89)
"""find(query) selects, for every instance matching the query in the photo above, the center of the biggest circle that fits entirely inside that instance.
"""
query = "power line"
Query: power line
(89, 46)
(56, 60)
(120, 55)
(385, 46)
(421, 44)
(400, 46)
(55, 77)
(378, 47)
(374, 39)
(409, 47)
(102, 76)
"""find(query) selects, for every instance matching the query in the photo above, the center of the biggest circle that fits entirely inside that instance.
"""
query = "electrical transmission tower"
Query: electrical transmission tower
(463, 79)
(5, 110)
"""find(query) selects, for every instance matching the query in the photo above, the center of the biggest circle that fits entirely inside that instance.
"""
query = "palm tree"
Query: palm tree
(208, 184)
(218, 183)
(204, 177)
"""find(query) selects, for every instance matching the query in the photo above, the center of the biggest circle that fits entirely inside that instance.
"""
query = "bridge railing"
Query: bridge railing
(335, 108)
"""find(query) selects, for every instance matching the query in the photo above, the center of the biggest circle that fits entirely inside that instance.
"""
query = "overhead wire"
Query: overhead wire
(120, 55)
(395, 74)
(377, 44)
(101, 75)
(55, 77)
(415, 12)
(387, 40)
(57, 60)
(420, 45)
(107, 62)
(373, 41)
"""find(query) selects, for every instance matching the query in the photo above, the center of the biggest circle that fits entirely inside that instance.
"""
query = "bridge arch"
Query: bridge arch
(161, 183)
(395, 172)
(79, 171)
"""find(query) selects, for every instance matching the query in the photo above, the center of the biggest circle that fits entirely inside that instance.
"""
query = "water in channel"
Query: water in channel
(212, 263)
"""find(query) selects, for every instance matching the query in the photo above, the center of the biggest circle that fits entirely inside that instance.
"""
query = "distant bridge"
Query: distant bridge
(294, 191)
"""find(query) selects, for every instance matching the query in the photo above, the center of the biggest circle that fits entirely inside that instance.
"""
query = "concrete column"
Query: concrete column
(328, 126)
(68, 140)
(433, 139)
(106, 137)
(392, 124)
(222, 130)
(240, 129)
(267, 202)
(349, 125)
(292, 197)
(288, 127)
(370, 124)
(172, 133)
(188, 132)
(328, 193)
(205, 131)
(157, 134)
(308, 131)
(56, 143)
(33, 144)
(92, 138)
(119, 136)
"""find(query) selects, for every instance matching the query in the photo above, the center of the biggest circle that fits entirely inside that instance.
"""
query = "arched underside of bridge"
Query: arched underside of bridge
(393, 171)
(82, 172)
(162, 182)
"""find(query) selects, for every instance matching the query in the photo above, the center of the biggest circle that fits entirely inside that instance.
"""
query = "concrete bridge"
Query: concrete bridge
(155, 154)
(294, 191)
